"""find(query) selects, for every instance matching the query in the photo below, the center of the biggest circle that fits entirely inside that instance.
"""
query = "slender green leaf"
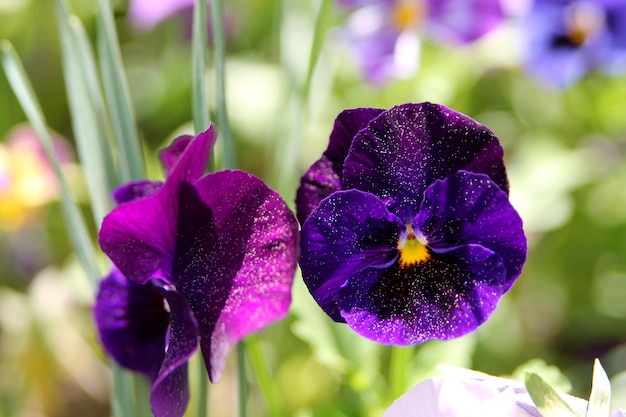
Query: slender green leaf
(122, 398)
(263, 375)
(130, 156)
(77, 229)
(547, 400)
(242, 379)
(322, 24)
(600, 398)
(223, 125)
(89, 127)
(200, 107)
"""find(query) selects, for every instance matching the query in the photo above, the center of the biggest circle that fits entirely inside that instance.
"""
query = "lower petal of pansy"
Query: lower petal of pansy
(243, 262)
(468, 208)
(349, 231)
(444, 297)
(170, 390)
(132, 323)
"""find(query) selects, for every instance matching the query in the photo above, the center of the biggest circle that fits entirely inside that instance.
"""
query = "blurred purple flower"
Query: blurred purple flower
(202, 259)
(467, 394)
(407, 231)
(148, 13)
(568, 38)
(382, 33)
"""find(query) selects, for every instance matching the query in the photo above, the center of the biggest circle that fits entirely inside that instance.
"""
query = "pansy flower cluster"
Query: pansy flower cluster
(407, 230)
(382, 34)
(199, 259)
(568, 38)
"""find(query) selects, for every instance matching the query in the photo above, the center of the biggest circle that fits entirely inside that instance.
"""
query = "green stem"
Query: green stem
(223, 124)
(263, 375)
(242, 380)
(398, 364)
(202, 403)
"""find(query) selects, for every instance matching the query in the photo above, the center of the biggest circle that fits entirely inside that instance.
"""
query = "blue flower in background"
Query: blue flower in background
(407, 230)
(199, 260)
(382, 34)
(566, 39)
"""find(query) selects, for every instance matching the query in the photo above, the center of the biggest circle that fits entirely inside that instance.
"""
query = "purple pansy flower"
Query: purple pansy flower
(567, 38)
(407, 230)
(199, 259)
(382, 33)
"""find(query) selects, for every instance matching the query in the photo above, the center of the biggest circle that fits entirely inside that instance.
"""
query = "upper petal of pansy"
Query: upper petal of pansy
(462, 21)
(170, 155)
(468, 208)
(236, 267)
(349, 231)
(324, 176)
(132, 323)
(140, 236)
(408, 147)
(170, 390)
(445, 297)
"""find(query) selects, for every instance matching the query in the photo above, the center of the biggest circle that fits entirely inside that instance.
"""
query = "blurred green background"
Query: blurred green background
(566, 157)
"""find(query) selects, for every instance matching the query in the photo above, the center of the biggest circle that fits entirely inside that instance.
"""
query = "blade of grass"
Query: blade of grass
(130, 156)
(242, 379)
(322, 23)
(263, 375)
(79, 236)
(223, 125)
(89, 128)
(199, 46)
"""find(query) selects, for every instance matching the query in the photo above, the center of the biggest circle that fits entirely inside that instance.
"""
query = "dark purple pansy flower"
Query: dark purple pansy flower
(382, 34)
(407, 230)
(199, 259)
(568, 38)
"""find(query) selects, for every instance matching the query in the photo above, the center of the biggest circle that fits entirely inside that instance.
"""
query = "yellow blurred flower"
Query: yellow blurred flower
(27, 180)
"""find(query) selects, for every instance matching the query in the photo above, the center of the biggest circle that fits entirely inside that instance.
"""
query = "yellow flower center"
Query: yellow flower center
(412, 249)
(583, 20)
(407, 14)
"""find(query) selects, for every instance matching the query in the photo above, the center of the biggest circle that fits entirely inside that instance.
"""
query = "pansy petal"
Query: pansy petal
(140, 236)
(170, 155)
(443, 298)
(135, 189)
(463, 21)
(349, 231)
(324, 176)
(468, 208)
(170, 390)
(408, 147)
(132, 323)
(244, 260)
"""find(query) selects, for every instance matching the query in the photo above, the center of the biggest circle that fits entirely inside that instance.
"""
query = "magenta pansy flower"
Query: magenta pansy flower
(201, 259)
(407, 230)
